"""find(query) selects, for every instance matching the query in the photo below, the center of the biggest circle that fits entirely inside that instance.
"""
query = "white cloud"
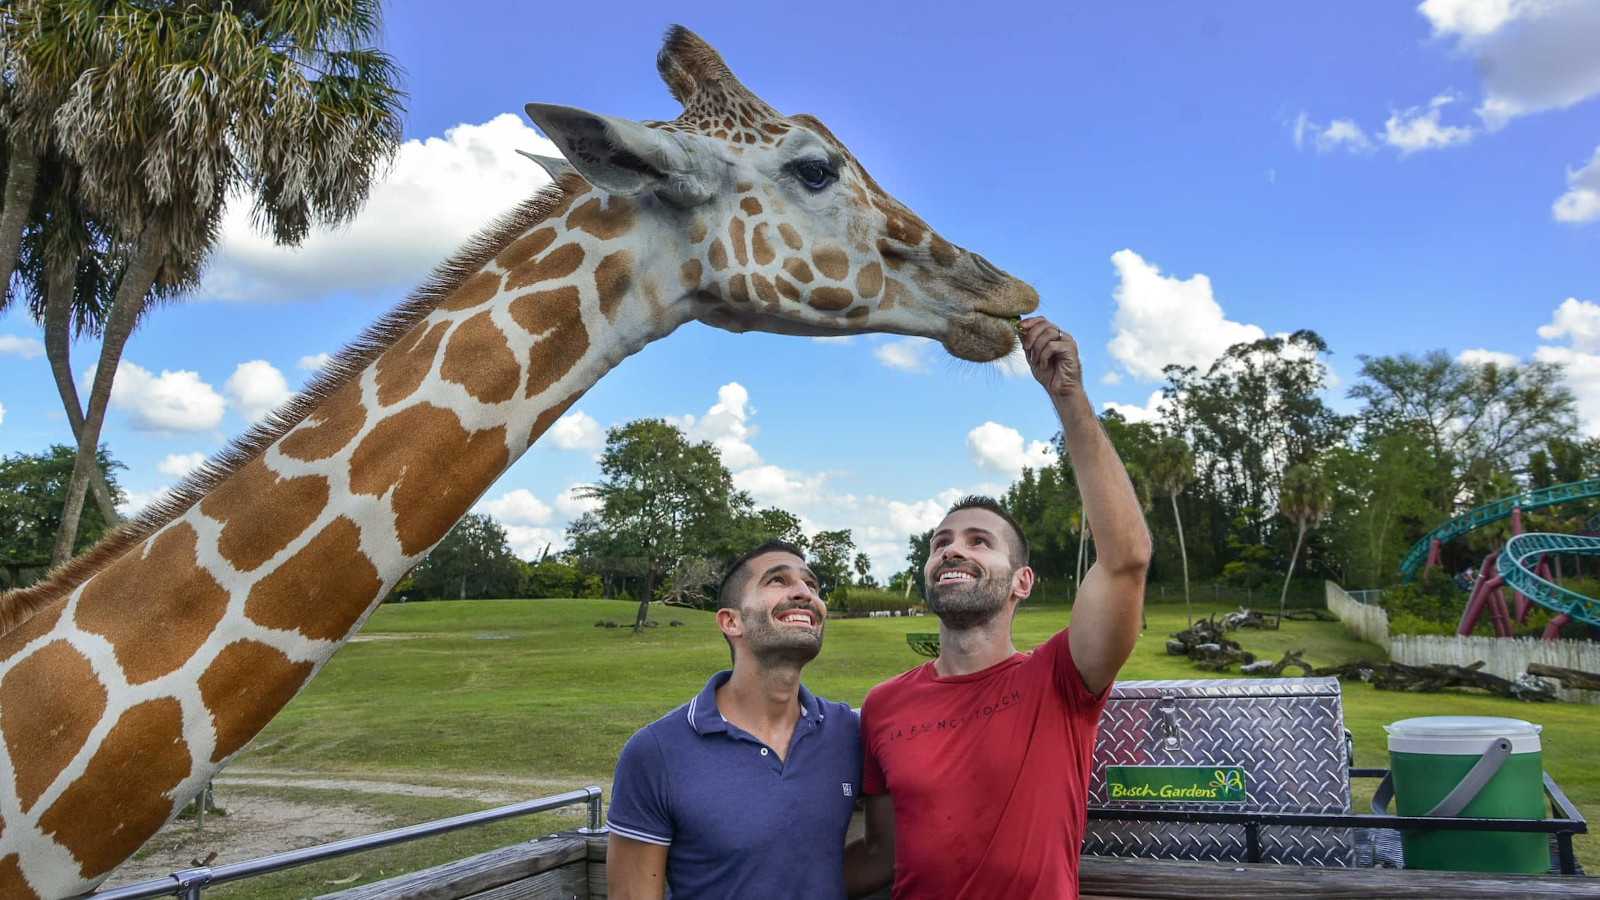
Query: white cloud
(1001, 448)
(1340, 134)
(774, 486)
(453, 186)
(1162, 320)
(2, 413)
(180, 464)
(257, 388)
(134, 501)
(1581, 202)
(834, 338)
(519, 507)
(16, 345)
(1149, 412)
(727, 426)
(314, 362)
(1111, 376)
(1578, 321)
(906, 354)
(577, 431)
(1419, 128)
(1480, 357)
(1535, 55)
(171, 401)
(572, 504)
(529, 542)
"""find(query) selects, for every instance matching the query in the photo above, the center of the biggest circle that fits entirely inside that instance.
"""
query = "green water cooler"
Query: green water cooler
(1471, 766)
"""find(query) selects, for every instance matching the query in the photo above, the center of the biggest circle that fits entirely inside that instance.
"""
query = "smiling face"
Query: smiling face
(780, 617)
(768, 223)
(971, 574)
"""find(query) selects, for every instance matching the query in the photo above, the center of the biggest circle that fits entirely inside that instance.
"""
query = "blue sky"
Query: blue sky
(1170, 176)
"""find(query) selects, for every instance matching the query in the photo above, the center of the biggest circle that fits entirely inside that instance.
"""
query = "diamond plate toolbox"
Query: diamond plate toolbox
(1286, 734)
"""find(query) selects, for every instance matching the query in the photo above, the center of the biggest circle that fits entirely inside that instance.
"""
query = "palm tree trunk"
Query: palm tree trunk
(58, 350)
(22, 179)
(1283, 595)
(1183, 552)
(130, 300)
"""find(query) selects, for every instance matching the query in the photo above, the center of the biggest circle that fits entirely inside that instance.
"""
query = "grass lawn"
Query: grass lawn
(531, 688)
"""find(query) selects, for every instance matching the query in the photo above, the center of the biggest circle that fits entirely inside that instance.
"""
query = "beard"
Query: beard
(970, 604)
(773, 643)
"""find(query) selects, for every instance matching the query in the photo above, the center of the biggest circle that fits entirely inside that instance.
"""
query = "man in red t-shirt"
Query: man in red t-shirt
(976, 764)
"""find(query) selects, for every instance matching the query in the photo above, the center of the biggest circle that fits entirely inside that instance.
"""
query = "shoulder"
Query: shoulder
(669, 730)
(894, 688)
(837, 711)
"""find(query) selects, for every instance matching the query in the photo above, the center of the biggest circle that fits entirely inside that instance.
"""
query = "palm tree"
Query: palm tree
(1304, 499)
(1171, 469)
(173, 110)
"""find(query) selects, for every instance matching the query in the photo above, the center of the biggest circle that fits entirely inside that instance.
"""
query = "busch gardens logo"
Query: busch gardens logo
(1176, 784)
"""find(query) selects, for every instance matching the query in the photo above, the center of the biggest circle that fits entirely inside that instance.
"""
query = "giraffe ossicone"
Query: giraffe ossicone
(129, 676)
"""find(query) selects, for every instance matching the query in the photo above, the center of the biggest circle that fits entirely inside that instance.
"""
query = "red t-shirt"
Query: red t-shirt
(989, 773)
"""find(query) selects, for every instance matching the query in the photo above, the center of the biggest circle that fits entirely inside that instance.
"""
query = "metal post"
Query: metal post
(191, 882)
(1569, 863)
(597, 824)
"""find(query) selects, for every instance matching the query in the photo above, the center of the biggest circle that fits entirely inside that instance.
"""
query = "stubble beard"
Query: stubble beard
(777, 645)
(968, 605)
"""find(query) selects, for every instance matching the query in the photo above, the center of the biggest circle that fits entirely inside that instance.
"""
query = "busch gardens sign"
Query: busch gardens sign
(1175, 784)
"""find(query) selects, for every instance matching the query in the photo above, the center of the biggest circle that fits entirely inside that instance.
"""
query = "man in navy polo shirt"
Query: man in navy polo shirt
(747, 789)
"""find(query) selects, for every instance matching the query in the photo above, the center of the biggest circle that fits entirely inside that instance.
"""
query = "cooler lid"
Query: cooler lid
(1460, 734)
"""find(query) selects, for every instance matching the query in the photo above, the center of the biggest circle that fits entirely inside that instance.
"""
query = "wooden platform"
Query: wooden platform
(571, 865)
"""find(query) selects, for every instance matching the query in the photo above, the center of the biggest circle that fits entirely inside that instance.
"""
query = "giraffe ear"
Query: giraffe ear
(622, 157)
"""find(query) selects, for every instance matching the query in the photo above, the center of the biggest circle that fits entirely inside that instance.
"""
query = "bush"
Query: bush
(864, 600)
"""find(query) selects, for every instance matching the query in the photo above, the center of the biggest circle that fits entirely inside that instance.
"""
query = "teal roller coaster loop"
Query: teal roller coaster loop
(1521, 556)
(1489, 513)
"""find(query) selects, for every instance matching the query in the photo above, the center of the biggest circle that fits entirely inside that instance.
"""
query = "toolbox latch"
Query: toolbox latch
(1167, 720)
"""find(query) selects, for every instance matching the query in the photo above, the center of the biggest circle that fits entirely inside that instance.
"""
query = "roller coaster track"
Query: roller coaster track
(1521, 556)
(1489, 513)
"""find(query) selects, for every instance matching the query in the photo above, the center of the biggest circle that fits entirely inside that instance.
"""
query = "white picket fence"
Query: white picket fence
(1505, 657)
(1370, 623)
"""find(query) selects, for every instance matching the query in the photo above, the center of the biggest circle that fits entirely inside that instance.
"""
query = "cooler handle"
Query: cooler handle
(1465, 790)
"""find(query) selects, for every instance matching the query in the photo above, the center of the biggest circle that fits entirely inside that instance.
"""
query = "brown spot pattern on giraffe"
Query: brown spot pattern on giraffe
(479, 359)
(558, 263)
(831, 299)
(894, 293)
(736, 240)
(751, 206)
(738, 291)
(869, 281)
(37, 626)
(760, 249)
(12, 884)
(859, 312)
(122, 797)
(797, 269)
(717, 255)
(262, 512)
(944, 252)
(832, 262)
(611, 220)
(689, 272)
(244, 687)
(524, 248)
(697, 231)
(764, 288)
(475, 290)
(329, 427)
(49, 703)
(553, 314)
(402, 368)
(613, 278)
(321, 590)
(407, 451)
(790, 236)
(192, 602)
(786, 287)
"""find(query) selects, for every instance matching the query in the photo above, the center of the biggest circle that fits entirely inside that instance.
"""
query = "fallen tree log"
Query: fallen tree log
(1292, 659)
(1569, 678)
(1393, 676)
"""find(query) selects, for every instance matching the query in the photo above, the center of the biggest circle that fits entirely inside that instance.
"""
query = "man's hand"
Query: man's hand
(1053, 356)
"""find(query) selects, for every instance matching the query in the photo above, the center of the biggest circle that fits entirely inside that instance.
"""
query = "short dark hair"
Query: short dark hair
(1019, 549)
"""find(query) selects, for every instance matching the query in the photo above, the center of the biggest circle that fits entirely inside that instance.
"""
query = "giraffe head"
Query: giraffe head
(766, 222)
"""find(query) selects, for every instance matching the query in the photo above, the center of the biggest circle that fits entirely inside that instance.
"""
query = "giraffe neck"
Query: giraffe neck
(119, 702)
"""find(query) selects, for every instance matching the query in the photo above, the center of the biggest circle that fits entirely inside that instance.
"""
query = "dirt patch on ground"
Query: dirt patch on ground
(260, 824)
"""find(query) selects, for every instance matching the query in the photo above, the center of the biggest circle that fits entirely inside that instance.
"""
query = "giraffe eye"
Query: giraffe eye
(814, 173)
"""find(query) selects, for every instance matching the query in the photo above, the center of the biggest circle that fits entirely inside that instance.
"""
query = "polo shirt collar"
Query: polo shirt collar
(705, 718)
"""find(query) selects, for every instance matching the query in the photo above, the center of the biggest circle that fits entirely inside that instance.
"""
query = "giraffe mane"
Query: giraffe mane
(20, 604)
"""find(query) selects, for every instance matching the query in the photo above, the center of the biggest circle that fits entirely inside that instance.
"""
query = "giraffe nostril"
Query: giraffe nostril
(988, 268)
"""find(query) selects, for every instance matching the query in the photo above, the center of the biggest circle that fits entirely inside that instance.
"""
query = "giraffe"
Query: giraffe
(132, 674)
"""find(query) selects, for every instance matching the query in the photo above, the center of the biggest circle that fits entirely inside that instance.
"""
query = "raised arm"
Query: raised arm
(1106, 613)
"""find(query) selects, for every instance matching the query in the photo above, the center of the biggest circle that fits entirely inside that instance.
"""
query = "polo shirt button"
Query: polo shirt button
(763, 751)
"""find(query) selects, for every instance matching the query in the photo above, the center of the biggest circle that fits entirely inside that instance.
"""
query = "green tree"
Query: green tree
(474, 560)
(171, 111)
(769, 523)
(1304, 500)
(661, 499)
(863, 569)
(556, 577)
(1171, 470)
(32, 486)
(917, 555)
(831, 554)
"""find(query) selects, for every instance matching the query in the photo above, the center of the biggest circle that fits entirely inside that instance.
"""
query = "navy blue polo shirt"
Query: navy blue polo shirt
(738, 821)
